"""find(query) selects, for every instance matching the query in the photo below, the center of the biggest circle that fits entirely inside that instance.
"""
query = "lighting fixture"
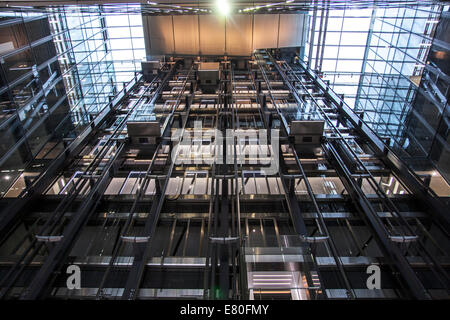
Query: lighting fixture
(223, 7)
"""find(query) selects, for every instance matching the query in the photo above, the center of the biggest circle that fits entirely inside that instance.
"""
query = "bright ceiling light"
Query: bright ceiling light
(223, 7)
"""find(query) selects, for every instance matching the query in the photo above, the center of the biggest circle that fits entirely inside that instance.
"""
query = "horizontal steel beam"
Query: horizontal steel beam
(15, 207)
(196, 215)
(436, 207)
(126, 262)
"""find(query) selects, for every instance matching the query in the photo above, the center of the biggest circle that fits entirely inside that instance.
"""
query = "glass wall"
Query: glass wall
(425, 140)
(85, 57)
(337, 44)
(60, 66)
(376, 58)
(398, 46)
(124, 25)
(34, 111)
(352, 46)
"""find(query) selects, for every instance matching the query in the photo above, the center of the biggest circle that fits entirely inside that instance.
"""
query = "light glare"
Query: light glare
(223, 6)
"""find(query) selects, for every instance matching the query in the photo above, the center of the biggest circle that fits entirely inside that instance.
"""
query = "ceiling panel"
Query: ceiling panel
(186, 34)
(212, 34)
(265, 33)
(161, 35)
(239, 35)
(291, 30)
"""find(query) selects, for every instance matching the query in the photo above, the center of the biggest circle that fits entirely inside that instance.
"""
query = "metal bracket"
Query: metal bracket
(403, 239)
(224, 240)
(49, 238)
(135, 239)
(138, 244)
(319, 239)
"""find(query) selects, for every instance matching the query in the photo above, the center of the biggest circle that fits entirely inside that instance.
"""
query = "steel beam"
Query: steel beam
(16, 207)
(434, 205)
